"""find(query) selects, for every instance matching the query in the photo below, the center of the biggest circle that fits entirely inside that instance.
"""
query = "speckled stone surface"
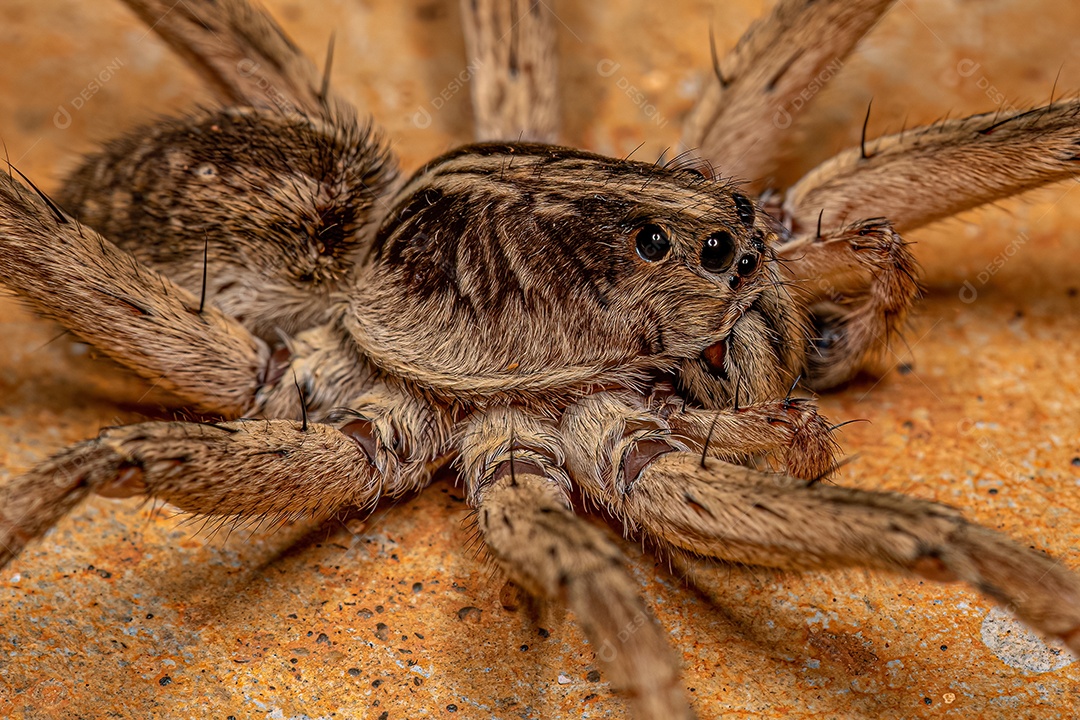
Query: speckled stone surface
(126, 611)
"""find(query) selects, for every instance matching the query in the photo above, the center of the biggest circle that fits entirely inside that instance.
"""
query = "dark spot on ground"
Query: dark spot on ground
(103, 573)
(844, 649)
(469, 614)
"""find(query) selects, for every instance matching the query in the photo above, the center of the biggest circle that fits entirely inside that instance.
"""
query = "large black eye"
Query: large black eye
(718, 252)
(652, 243)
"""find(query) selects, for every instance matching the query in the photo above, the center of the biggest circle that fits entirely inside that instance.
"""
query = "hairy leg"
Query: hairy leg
(610, 437)
(929, 173)
(740, 119)
(859, 283)
(69, 273)
(514, 86)
(519, 490)
(242, 469)
(737, 514)
(553, 553)
(241, 53)
(262, 469)
(716, 509)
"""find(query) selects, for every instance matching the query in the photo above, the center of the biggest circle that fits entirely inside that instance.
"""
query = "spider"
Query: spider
(710, 383)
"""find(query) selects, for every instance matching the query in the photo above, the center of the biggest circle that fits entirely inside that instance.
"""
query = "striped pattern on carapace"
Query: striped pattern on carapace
(508, 268)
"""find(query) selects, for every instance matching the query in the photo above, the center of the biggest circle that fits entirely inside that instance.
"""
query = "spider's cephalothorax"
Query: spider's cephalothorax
(567, 272)
(567, 329)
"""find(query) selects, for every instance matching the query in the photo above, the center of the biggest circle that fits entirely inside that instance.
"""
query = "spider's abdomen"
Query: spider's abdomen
(276, 204)
(527, 268)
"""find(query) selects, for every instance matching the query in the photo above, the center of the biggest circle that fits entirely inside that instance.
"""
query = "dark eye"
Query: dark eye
(718, 252)
(747, 263)
(744, 209)
(652, 243)
(757, 241)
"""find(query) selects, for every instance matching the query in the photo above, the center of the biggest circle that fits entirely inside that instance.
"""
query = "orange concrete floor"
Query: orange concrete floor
(127, 612)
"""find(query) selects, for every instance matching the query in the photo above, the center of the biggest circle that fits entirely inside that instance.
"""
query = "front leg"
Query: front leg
(930, 173)
(715, 509)
(737, 514)
(859, 283)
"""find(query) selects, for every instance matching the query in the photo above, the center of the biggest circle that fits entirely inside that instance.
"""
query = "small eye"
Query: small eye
(747, 263)
(757, 241)
(652, 243)
(718, 252)
(744, 209)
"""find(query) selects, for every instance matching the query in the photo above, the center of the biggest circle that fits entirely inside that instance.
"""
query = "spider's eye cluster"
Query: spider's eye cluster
(652, 243)
(718, 252)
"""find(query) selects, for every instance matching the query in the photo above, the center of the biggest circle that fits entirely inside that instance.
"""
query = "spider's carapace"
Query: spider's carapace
(567, 270)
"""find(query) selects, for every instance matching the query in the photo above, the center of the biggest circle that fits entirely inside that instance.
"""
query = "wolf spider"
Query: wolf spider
(565, 329)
